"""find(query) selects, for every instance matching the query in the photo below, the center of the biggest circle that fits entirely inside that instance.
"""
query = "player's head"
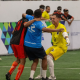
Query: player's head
(47, 9)
(42, 7)
(37, 13)
(65, 11)
(29, 11)
(55, 18)
(59, 8)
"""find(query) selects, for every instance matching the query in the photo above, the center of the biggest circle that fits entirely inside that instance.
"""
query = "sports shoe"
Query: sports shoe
(52, 78)
(44, 78)
(8, 76)
(38, 77)
(31, 79)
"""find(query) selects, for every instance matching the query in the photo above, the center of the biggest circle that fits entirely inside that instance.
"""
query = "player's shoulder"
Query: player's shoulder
(51, 26)
(29, 16)
(38, 22)
(61, 25)
(44, 12)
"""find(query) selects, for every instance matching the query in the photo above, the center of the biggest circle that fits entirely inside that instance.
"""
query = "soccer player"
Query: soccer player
(32, 42)
(60, 43)
(17, 43)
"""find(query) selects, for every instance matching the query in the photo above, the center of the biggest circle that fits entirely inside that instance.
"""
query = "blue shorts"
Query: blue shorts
(35, 53)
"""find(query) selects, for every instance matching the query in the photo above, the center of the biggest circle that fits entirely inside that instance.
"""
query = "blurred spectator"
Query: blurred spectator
(45, 14)
(68, 16)
(58, 11)
(42, 7)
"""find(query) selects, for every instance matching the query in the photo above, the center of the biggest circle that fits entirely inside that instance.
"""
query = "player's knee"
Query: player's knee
(45, 57)
(50, 60)
(18, 60)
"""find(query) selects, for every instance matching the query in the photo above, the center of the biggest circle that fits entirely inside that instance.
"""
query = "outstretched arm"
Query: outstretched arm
(51, 30)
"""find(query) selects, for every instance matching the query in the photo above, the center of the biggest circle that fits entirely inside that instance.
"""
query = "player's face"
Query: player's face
(41, 10)
(48, 9)
(54, 19)
(66, 12)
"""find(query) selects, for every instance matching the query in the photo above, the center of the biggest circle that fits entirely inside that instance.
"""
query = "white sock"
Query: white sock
(40, 61)
(44, 73)
(51, 65)
(32, 74)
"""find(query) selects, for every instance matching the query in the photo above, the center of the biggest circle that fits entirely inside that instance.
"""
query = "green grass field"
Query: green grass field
(67, 67)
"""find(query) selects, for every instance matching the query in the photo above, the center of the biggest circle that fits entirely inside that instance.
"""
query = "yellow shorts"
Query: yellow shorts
(55, 51)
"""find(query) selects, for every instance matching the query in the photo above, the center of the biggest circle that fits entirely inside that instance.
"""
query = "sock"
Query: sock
(32, 74)
(20, 70)
(51, 65)
(40, 61)
(13, 67)
(44, 73)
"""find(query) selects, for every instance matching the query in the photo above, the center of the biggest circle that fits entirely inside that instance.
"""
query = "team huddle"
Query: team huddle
(26, 42)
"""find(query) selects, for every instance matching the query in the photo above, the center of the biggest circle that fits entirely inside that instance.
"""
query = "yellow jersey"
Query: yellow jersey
(45, 15)
(57, 37)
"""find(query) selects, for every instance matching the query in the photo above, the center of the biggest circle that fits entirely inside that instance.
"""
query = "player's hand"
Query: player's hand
(49, 20)
(68, 41)
(60, 30)
(69, 23)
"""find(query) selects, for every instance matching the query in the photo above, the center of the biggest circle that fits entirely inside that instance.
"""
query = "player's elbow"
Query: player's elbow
(23, 15)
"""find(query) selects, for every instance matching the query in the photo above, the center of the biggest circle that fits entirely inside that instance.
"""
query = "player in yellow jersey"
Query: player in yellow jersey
(45, 14)
(60, 43)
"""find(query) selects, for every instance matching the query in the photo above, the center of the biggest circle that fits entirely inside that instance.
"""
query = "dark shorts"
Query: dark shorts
(35, 53)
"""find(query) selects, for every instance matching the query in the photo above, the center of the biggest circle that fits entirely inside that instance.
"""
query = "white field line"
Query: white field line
(39, 67)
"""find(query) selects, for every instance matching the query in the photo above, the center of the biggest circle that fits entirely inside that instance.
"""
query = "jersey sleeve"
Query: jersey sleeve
(69, 16)
(40, 26)
(29, 17)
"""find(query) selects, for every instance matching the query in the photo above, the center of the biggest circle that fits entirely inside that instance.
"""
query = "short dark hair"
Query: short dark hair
(47, 7)
(57, 15)
(42, 6)
(29, 11)
(37, 13)
(59, 7)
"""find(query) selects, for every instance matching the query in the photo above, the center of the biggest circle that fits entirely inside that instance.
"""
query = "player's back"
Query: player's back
(33, 36)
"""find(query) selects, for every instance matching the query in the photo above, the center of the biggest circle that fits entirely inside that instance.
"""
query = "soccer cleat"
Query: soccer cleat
(52, 78)
(44, 78)
(8, 76)
(31, 79)
(38, 77)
